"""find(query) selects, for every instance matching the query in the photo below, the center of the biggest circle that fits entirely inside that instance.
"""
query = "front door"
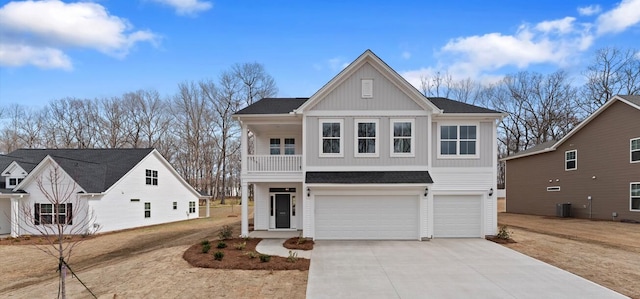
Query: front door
(283, 211)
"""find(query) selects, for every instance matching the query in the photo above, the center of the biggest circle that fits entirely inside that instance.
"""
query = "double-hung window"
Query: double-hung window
(571, 160)
(151, 177)
(635, 150)
(366, 143)
(274, 146)
(289, 146)
(147, 210)
(635, 196)
(402, 139)
(192, 207)
(458, 141)
(46, 213)
(331, 134)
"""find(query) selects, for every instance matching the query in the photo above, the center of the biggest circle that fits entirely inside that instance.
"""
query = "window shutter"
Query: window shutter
(69, 214)
(36, 214)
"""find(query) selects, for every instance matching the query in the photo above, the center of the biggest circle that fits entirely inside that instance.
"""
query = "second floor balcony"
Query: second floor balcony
(274, 163)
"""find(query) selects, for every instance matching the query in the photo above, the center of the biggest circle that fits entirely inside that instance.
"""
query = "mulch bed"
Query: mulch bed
(304, 244)
(39, 240)
(239, 259)
(500, 240)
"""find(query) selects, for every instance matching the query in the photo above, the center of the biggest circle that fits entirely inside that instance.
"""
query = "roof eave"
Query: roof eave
(542, 151)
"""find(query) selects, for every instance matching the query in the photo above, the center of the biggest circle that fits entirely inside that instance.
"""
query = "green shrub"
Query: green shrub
(225, 233)
(206, 248)
(265, 258)
(218, 255)
(252, 254)
(503, 233)
(301, 240)
(293, 257)
(205, 242)
(240, 246)
(221, 245)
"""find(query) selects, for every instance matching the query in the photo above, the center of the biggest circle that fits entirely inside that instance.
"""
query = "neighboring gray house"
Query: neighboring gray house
(369, 157)
(119, 188)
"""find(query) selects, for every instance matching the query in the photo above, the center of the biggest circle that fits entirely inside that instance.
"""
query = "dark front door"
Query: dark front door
(283, 211)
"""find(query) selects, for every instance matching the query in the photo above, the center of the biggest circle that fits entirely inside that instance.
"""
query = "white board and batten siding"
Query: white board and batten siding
(116, 210)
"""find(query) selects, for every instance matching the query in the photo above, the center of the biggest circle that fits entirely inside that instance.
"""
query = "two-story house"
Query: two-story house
(369, 157)
(595, 168)
(90, 189)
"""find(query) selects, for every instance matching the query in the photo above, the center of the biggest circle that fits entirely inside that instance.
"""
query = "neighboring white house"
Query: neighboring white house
(369, 157)
(117, 188)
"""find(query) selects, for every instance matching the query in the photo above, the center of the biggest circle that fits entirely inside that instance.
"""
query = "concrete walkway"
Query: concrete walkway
(274, 247)
(440, 268)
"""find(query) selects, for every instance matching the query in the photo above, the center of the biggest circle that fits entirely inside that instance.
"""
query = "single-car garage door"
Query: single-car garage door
(366, 217)
(457, 216)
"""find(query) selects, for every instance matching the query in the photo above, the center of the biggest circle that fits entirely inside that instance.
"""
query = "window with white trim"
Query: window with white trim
(151, 177)
(192, 207)
(635, 196)
(175, 205)
(402, 137)
(46, 213)
(634, 147)
(366, 132)
(147, 210)
(274, 146)
(331, 134)
(571, 160)
(458, 141)
(289, 146)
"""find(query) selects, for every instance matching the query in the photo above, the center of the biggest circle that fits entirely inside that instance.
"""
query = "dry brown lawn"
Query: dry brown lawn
(145, 263)
(605, 252)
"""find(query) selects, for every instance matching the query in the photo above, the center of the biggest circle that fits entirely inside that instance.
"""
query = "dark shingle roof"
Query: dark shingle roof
(368, 177)
(452, 106)
(95, 170)
(533, 149)
(273, 106)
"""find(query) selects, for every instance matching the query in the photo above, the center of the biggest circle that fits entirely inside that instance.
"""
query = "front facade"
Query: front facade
(102, 190)
(369, 157)
(595, 168)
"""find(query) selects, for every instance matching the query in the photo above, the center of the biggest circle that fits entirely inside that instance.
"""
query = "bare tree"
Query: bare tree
(63, 214)
(437, 85)
(613, 71)
(256, 82)
(113, 133)
(11, 131)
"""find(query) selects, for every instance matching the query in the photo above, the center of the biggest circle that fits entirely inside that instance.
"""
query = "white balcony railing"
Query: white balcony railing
(274, 163)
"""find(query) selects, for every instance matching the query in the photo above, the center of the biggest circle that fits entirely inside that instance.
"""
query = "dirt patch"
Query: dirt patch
(240, 259)
(500, 240)
(38, 240)
(298, 243)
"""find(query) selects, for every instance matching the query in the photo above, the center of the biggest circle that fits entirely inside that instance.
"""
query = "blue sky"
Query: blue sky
(93, 49)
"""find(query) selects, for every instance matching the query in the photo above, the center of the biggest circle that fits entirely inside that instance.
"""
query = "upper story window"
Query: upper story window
(331, 134)
(571, 160)
(402, 139)
(46, 213)
(635, 196)
(367, 138)
(458, 141)
(274, 146)
(151, 177)
(14, 182)
(635, 150)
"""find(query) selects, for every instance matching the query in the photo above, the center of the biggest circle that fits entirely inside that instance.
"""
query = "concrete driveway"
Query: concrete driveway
(440, 268)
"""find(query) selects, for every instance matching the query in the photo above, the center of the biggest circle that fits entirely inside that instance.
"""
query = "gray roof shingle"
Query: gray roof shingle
(453, 106)
(273, 106)
(368, 177)
(95, 170)
(632, 98)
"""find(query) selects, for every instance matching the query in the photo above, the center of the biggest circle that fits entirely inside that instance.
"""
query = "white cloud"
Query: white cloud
(406, 54)
(625, 15)
(187, 7)
(43, 29)
(562, 26)
(589, 10)
(337, 63)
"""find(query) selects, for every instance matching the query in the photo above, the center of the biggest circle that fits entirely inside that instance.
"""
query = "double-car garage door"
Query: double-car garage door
(376, 217)
(371, 217)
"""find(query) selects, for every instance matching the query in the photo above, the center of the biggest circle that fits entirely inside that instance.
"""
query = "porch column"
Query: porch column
(244, 149)
(245, 210)
(14, 217)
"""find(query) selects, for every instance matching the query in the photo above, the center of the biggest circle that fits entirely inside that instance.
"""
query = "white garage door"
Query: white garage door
(457, 216)
(366, 217)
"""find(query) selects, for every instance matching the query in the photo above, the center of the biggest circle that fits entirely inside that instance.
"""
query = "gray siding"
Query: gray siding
(486, 142)
(384, 159)
(347, 96)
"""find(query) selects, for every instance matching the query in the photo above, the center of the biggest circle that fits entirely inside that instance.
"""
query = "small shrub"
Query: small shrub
(206, 248)
(301, 240)
(240, 246)
(221, 245)
(225, 233)
(293, 257)
(265, 258)
(205, 242)
(218, 255)
(504, 233)
(252, 254)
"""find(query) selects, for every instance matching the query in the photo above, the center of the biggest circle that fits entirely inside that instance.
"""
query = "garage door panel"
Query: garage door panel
(457, 216)
(366, 217)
